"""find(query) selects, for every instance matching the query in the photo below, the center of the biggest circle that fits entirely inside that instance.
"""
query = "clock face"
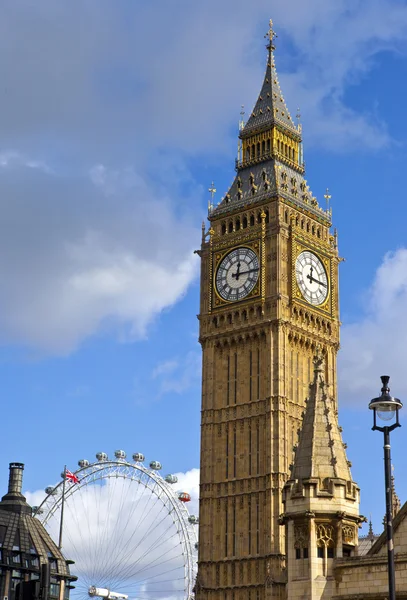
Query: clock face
(311, 278)
(237, 274)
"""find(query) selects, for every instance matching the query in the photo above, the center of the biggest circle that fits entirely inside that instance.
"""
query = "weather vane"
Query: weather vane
(241, 122)
(271, 34)
(327, 197)
(212, 191)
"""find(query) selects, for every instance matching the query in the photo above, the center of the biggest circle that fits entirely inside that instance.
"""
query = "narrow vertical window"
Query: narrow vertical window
(234, 453)
(258, 373)
(226, 528)
(292, 375)
(258, 526)
(234, 526)
(250, 375)
(249, 537)
(258, 450)
(235, 391)
(228, 383)
(227, 451)
(250, 448)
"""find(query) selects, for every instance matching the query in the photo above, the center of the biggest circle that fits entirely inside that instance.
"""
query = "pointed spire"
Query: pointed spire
(396, 504)
(320, 453)
(371, 535)
(270, 106)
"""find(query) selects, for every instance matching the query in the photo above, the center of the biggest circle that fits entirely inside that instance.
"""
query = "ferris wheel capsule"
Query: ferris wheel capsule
(83, 463)
(120, 454)
(155, 465)
(184, 497)
(171, 479)
(193, 520)
(50, 490)
(113, 484)
(37, 510)
(138, 457)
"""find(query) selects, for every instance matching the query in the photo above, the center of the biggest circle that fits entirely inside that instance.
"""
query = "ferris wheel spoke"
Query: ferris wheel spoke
(137, 571)
(127, 531)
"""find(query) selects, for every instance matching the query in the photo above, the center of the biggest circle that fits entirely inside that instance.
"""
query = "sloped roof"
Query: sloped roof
(320, 453)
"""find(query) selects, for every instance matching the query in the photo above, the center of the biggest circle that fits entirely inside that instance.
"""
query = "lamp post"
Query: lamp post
(386, 408)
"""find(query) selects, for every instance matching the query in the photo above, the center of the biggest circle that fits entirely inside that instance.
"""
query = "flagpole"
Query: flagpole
(61, 524)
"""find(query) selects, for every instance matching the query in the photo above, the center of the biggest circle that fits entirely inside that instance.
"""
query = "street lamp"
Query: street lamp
(386, 408)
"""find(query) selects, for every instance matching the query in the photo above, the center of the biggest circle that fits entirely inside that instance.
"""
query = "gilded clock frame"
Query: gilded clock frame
(299, 246)
(219, 255)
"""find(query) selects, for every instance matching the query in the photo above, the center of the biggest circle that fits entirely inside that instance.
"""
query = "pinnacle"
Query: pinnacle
(321, 453)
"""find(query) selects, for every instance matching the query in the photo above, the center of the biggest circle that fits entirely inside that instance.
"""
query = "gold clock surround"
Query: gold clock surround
(327, 305)
(218, 257)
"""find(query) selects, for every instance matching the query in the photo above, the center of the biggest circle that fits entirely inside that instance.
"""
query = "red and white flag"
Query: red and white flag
(71, 476)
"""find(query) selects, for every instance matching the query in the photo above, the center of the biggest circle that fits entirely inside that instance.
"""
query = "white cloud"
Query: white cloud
(122, 536)
(375, 345)
(88, 255)
(108, 250)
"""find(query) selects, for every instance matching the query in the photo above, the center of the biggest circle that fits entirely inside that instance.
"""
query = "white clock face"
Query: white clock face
(311, 278)
(237, 274)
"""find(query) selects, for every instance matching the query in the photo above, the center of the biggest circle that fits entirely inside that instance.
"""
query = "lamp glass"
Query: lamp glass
(386, 414)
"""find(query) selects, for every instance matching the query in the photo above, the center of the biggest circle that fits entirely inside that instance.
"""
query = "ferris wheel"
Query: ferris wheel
(127, 529)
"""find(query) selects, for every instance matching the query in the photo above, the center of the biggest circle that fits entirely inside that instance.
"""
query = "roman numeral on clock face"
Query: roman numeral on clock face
(237, 274)
(311, 277)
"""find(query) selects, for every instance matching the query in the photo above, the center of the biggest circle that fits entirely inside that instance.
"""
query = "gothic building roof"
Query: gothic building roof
(320, 453)
(270, 107)
(23, 539)
(271, 174)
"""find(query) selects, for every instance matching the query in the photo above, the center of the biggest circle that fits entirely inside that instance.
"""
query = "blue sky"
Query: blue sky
(115, 118)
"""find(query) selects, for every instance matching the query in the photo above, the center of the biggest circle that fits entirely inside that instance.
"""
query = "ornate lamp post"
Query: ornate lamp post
(387, 408)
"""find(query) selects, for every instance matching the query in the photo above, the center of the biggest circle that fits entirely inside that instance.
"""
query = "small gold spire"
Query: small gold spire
(327, 197)
(271, 34)
(212, 191)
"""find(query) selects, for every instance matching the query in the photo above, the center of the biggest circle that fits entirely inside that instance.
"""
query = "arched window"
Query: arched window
(258, 149)
(244, 222)
(247, 153)
(253, 151)
(251, 220)
(223, 228)
(263, 147)
(230, 226)
(268, 146)
(267, 215)
(237, 225)
(286, 216)
(258, 217)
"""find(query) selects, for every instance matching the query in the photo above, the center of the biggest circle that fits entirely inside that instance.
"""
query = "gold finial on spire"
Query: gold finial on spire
(327, 197)
(271, 35)
(241, 122)
(212, 191)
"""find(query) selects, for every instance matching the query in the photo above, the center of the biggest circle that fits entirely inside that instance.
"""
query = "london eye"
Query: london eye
(126, 527)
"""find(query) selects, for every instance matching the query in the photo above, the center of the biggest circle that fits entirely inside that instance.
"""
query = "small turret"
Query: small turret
(321, 500)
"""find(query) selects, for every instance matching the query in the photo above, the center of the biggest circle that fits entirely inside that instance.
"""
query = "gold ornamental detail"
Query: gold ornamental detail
(216, 258)
(211, 234)
(327, 305)
(263, 260)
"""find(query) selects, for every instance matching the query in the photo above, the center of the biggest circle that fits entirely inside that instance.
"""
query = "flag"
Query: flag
(71, 477)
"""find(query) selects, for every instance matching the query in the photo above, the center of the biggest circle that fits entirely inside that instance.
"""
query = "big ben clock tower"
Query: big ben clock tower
(269, 298)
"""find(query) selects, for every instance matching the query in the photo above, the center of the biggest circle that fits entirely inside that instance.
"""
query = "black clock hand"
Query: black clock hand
(249, 271)
(237, 272)
(313, 280)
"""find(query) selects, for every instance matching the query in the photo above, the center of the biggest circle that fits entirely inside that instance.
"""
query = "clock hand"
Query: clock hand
(237, 272)
(313, 280)
(249, 271)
